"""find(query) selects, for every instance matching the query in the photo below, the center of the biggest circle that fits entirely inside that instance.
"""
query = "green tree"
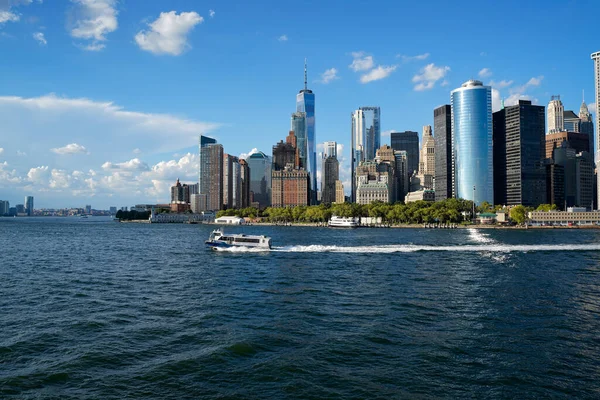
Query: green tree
(518, 214)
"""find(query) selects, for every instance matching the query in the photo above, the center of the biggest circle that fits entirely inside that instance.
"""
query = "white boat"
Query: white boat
(219, 239)
(342, 222)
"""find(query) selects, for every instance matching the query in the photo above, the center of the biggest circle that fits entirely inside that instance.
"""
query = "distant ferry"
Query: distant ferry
(219, 239)
(342, 222)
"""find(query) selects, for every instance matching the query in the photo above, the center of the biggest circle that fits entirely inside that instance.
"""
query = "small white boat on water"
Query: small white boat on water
(219, 239)
(342, 222)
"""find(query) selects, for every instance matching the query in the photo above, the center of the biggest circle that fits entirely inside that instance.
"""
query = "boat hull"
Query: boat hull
(223, 245)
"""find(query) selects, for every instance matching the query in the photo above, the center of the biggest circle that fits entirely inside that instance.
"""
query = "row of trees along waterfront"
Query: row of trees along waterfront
(418, 212)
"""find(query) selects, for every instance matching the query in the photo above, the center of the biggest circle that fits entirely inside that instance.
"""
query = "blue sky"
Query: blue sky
(101, 102)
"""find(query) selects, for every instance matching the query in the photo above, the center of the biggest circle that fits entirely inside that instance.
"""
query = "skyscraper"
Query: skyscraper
(305, 102)
(330, 174)
(330, 149)
(210, 179)
(472, 142)
(409, 142)
(245, 181)
(232, 185)
(499, 152)
(260, 178)
(586, 126)
(596, 58)
(556, 112)
(365, 139)
(372, 130)
(298, 125)
(523, 181)
(427, 159)
(442, 130)
(29, 205)
(357, 144)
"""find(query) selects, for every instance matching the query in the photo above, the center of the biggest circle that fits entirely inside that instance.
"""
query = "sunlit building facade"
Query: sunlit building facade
(298, 125)
(305, 103)
(596, 59)
(472, 153)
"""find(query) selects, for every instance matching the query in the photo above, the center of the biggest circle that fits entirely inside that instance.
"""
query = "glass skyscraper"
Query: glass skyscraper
(305, 103)
(472, 142)
(298, 125)
(260, 178)
(365, 138)
(409, 142)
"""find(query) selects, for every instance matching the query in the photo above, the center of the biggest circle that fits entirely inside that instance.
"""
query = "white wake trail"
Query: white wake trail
(478, 236)
(500, 248)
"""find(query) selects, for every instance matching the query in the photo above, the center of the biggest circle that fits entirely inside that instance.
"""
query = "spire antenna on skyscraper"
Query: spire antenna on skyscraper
(305, 76)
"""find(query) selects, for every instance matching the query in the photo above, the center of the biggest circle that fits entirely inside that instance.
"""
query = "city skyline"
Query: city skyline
(85, 132)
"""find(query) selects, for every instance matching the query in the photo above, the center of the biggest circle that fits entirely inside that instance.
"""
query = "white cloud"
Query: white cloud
(39, 36)
(111, 173)
(485, 73)
(8, 176)
(93, 20)
(38, 175)
(7, 16)
(533, 82)
(428, 76)
(136, 151)
(496, 99)
(246, 155)
(500, 85)
(361, 62)
(329, 75)
(169, 33)
(419, 57)
(381, 72)
(135, 164)
(591, 107)
(72, 148)
(171, 130)
(282, 38)
(1, 150)
(515, 93)
(211, 13)
(21, 153)
(514, 98)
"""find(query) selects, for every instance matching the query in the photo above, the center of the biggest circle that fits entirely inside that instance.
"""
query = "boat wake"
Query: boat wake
(477, 236)
(500, 248)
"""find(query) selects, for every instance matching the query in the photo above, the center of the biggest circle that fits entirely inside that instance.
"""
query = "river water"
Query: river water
(91, 308)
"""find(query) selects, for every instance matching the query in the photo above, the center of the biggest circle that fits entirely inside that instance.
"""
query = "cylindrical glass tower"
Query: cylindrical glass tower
(472, 154)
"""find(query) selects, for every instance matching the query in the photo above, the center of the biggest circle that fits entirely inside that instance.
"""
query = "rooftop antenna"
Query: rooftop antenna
(305, 78)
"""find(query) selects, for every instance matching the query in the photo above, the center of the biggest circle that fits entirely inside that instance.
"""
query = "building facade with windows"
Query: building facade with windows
(472, 142)
(442, 131)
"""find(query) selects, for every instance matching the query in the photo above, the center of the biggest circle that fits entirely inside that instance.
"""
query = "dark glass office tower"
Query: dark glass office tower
(499, 151)
(442, 132)
(409, 142)
(523, 131)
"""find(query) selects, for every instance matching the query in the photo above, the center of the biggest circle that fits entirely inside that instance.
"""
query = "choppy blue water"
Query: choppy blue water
(97, 309)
